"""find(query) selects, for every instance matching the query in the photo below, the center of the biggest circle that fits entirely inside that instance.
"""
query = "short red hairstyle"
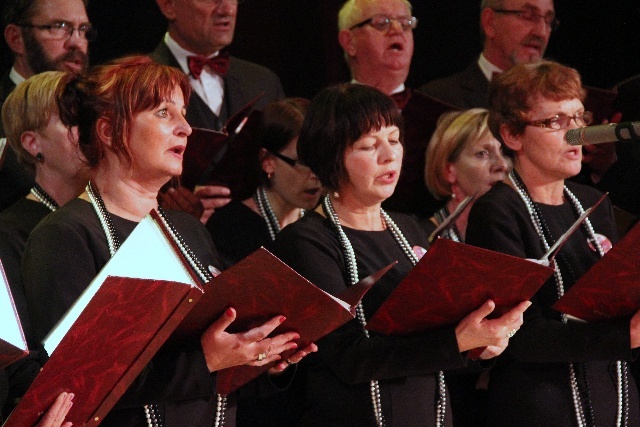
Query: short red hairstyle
(116, 92)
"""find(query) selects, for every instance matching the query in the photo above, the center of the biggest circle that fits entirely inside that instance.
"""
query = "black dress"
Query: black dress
(338, 376)
(63, 254)
(237, 231)
(16, 223)
(530, 383)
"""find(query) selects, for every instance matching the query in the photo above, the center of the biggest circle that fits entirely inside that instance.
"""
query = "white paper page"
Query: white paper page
(10, 328)
(146, 254)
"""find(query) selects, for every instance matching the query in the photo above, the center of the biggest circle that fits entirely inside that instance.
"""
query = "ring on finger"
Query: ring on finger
(261, 356)
(512, 333)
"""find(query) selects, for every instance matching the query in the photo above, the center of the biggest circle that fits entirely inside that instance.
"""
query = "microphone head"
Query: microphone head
(573, 136)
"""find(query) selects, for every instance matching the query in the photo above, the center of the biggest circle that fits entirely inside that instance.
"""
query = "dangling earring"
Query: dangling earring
(39, 157)
(269, 175)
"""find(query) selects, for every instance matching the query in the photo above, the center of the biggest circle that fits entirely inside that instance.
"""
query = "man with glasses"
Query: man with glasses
(377, 39)
(199, 31)
(514, 32)
(44, 35)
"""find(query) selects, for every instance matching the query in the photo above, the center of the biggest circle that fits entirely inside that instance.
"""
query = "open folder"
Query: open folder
(137, 301)
(206, 148)
(611, 287)
(453, 279)
(13, 345)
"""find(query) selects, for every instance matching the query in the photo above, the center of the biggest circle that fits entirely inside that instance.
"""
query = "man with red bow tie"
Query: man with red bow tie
(377, 39)
(196, 40)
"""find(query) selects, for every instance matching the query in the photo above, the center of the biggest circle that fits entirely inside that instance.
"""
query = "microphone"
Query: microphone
(612, 132)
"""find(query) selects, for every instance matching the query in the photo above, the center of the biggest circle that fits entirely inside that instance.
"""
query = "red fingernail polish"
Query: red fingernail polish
(229, 312)
(282, 319)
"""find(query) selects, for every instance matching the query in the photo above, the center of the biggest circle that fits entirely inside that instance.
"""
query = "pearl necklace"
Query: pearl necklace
(621, 366)
(352, 267)
(152, 413)
(450, 233)
(44, 198)
(266, 211)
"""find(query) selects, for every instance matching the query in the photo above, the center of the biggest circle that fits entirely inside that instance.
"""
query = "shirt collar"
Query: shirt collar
(487, 67)
(15, 77)
(396, 90)
(181, 53)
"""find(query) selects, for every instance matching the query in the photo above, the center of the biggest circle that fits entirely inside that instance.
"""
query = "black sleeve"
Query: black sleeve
(502, 224)
(352, 356)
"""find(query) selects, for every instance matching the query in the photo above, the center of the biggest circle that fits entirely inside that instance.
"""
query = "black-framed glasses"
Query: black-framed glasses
(294, 163)
(531, 16)
(64, 30)
(384, 22)
(562, 121)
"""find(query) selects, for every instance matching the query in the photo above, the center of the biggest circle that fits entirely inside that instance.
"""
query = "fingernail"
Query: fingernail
(293, 345)
(71, 396)
(229, 312)
(296, 337)
(282, 319)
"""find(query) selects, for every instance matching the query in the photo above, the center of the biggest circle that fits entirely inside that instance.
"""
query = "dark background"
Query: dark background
(297, 38)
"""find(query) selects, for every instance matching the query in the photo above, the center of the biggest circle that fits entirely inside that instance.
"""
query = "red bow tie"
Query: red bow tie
(219, 64)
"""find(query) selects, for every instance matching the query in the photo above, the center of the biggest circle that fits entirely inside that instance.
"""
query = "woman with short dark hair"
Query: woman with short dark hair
(351, 140)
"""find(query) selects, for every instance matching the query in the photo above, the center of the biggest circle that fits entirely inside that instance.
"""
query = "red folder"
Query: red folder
(611, 287)
(206, 146)
(452, 280)
(260, 287)
(13, 345)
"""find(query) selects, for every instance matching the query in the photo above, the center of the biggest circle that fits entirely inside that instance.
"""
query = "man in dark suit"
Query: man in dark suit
(44, 35)
(377, 39)
(198, 32)
(514, 31)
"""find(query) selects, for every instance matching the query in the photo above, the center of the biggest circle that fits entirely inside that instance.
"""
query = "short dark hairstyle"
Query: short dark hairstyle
(512, 93)
(20, 11)
(338, 117)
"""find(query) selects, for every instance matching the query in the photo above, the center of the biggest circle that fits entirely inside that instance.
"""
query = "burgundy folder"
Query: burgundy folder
(611, 287)
(452, 280)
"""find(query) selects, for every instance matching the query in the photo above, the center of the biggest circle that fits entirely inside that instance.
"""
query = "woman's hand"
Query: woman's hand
(634, 330)
(223, 350)
(54, 417)
(293, 359)
(476, 330)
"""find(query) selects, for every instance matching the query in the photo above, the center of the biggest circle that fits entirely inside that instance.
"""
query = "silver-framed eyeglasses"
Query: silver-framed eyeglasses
(532, 16)
(63, 30)
(384, 22)
(562, 121)
(294, 163)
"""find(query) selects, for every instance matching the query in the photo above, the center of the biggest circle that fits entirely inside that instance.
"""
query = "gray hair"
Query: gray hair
(351, 13)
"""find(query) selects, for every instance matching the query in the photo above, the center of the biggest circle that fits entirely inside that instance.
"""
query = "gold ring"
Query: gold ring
(262, 356)
(289, 362)
(512, 333)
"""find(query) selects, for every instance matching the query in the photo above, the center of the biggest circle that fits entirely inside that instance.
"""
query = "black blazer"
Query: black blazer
(243, 82)
(15, 181)
(467, 89)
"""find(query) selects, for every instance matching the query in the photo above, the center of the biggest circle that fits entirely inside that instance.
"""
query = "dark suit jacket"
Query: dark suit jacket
(466, 89)
(243, 82)
(15, 181)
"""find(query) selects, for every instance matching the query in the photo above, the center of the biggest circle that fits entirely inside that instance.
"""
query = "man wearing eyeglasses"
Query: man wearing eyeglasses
(198, 34)
(377, 39)
(44, 35)
(515, 32)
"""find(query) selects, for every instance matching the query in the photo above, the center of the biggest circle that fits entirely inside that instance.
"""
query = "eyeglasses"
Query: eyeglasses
(562, 121)
(530, 16)
(291, 162)
(64, 30)
(384, 22)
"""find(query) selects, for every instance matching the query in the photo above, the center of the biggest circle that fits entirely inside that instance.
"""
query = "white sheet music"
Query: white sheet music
(10, 327)
(145, 254)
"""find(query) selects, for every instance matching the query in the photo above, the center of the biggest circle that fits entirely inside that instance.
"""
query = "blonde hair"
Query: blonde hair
(351, 13)
(29, 108)
(455, 131)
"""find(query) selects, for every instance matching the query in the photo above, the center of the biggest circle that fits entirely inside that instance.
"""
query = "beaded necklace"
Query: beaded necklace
(152, 413)
(543, 231)
(450, 233)
(266, 211)
(352, 267)
(44, 198)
